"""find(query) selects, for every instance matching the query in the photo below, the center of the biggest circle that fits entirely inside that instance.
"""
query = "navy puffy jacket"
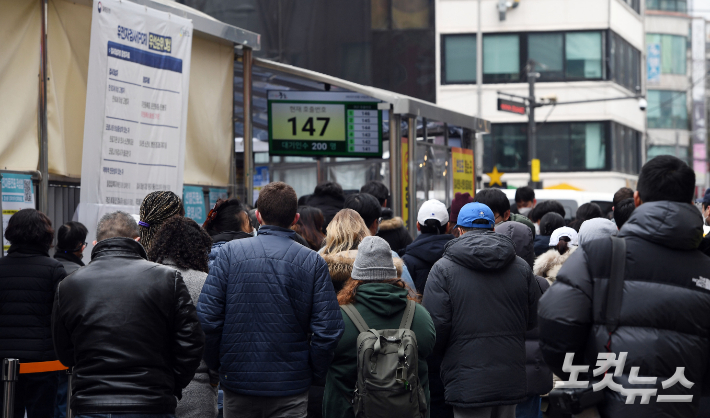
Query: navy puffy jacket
(263, 299)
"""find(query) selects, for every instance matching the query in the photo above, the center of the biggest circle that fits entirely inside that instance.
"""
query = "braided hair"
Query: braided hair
(156, 208)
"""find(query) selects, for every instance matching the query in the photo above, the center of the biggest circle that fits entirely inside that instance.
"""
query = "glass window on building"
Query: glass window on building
(583, 55)
(501, 58)
(625, 63)
(634, 4)
(458, 59)
(626, 149)
(667, 109)
(673, 52)
(668, 5)
(546, 49)
(587, 146)
(506, 148)
(576, 146)
(656, 150)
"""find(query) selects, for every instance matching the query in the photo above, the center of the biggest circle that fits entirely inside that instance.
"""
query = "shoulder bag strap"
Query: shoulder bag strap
(408, 315)
(355, 316)
(615, 286)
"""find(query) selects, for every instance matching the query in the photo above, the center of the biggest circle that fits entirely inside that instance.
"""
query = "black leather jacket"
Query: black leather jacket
(129, 329)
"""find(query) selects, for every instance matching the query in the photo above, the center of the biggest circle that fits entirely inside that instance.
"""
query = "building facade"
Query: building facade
(668, 30)
(586, 50)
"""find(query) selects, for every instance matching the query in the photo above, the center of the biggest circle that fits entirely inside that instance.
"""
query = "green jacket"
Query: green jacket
(381, 306)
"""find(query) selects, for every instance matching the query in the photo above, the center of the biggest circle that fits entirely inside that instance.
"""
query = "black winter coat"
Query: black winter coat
(421, 255)
(28, 279)
(129, 329)
(539, 376)
(537, 372)
(329, 205)
(664, 321)
(482, 298)
(70, 262)
(393, 231)
(542, 244)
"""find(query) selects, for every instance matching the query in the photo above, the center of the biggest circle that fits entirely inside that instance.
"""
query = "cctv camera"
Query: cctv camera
(643, 104)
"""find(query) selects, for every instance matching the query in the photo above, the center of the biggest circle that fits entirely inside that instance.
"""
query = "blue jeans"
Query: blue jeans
(126, 416)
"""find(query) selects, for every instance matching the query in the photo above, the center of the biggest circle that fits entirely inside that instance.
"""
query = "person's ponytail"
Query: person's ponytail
(563, 245)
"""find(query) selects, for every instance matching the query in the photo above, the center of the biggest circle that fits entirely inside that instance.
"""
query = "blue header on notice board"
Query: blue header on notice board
(149, 59)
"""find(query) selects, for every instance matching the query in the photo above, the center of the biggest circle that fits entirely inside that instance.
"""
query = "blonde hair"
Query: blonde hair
(345, 232)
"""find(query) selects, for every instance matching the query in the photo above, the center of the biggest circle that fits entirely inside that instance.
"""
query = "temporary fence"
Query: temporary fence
(11, 371)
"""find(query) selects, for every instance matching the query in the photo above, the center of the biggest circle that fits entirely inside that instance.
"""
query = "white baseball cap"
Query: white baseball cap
(433, 209)
(565, 231)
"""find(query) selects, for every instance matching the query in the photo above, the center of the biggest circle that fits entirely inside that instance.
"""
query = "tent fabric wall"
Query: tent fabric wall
(209, 115)
(210, 107)
(69, 34)
(19, 84)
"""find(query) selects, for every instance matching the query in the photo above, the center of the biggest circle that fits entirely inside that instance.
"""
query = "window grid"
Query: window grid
(619, 61)
(564, 146)
(456, 76)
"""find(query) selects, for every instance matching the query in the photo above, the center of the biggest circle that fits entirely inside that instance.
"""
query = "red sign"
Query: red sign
(511, 106)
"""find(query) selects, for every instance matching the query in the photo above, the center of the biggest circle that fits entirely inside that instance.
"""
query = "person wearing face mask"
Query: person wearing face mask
(525, 200)
(502, 210)
(71, 242)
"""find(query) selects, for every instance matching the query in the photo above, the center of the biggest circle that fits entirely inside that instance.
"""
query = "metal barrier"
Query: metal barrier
(11, 371)
(10, 375)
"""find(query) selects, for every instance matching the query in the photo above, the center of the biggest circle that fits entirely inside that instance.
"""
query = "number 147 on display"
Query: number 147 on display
(308, 126)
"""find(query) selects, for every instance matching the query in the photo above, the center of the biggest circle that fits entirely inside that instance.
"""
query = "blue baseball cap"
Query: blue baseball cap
(473, 212)
(705, 200)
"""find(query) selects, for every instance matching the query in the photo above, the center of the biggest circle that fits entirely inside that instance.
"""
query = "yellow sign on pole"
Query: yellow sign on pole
(462, 160)
(535, 170)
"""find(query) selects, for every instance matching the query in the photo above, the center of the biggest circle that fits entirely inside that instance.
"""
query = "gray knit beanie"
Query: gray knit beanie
(374, 260)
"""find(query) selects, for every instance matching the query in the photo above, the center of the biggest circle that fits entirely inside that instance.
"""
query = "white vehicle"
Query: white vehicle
(570, 199)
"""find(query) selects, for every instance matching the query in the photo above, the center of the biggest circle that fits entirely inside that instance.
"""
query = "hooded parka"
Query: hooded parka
(664, 322)
(421, 255)
(381, 306)
(539, 376)
(482, 298)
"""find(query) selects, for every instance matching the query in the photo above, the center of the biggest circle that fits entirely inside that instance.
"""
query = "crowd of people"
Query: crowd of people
(324, 306)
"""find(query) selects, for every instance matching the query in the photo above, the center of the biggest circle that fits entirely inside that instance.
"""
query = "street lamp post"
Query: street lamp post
(532, 131)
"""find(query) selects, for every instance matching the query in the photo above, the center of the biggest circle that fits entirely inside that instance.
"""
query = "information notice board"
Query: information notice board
(462, 160)
(324, 124)
(136, 107)
(17, 194)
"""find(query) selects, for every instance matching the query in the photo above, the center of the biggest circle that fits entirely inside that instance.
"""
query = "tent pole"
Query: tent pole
(248, 134)
(43, 147)
(412, 178)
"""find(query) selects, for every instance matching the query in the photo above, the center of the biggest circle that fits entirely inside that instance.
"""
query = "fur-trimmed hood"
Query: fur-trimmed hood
(340, 265)
(548, 264)
(390, 224)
